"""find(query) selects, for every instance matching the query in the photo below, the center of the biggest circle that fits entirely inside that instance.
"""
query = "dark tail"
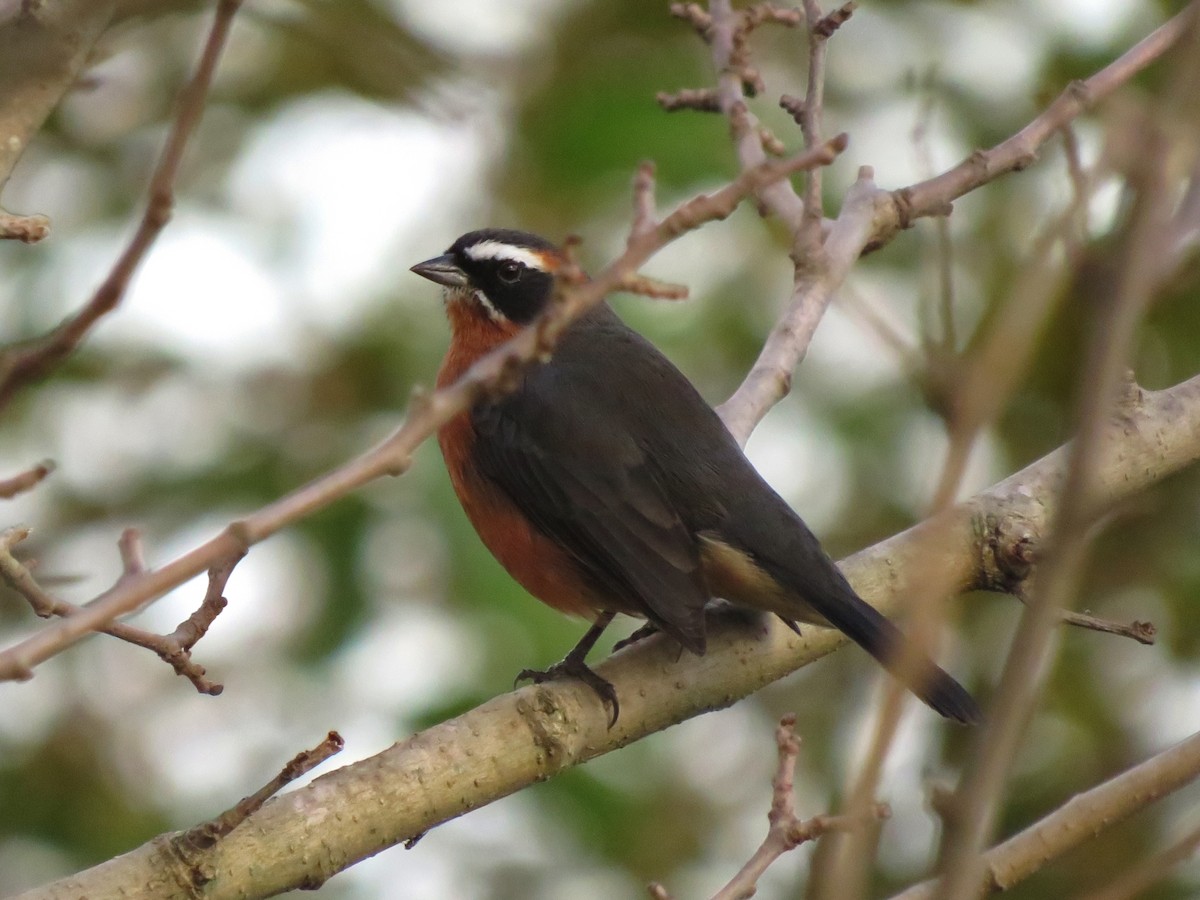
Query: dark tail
(876, 634)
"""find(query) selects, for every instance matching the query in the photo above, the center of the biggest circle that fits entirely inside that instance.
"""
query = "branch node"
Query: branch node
(699, 99)
(696, 16)
(825, 28)
(794, 107)
(26, 229)
(25, 481)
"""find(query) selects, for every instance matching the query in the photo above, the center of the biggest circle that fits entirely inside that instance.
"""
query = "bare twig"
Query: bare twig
(174, 649)
(28, 361)
(976, 805)
(1142, 632)
(393, 456)
(944, 344)
(26, 229)
(205, 835)
(697, 99)
(882, 213)
(786, 831)
(726, 34)
(645, 286)
(842, 872)
(971, 390)
(934, 196)
(1079, 820)
(694, 15)
(836, 19)
(645, 207)
(25, 481)
(807, 239)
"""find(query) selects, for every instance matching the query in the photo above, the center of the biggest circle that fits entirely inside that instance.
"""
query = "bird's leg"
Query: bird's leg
(640, 634)
(573, 665)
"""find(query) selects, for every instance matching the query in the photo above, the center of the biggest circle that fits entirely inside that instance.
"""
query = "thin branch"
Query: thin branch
(25, 481)
(645, 206)
(644, 286)
(204, 836)
(1079, 820)
(971, 390)
(883, 213)
(1142, 632)
(174, 649)
(727, 37)
(976, 805)
(842, 872)
(695, 99)
(393, 457)
(26, 229)
(934, 196)
(22, 363)
(944, 344)
(807, 238)
(786, 830)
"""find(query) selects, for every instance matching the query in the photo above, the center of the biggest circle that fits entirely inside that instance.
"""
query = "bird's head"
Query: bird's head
(502, 275)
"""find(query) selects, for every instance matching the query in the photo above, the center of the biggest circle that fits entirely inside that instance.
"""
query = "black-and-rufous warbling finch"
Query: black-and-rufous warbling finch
(605, 484)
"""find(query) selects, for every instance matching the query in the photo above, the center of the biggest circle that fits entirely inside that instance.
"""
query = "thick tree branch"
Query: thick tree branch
(531, 734)
(43, 49)
(1079, 820)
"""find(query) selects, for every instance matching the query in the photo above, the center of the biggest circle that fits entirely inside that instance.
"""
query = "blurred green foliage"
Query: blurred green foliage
(577, 105)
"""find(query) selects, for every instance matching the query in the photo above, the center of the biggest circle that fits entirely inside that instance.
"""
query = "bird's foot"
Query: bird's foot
(574, 667)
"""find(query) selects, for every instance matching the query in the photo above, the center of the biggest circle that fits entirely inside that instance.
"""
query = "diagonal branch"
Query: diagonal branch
(173, 649)
(25, 362)
(25, 481)
(1080, 819)
(933, 196)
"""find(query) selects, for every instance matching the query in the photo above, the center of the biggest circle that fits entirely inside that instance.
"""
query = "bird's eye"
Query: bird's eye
(509, 272)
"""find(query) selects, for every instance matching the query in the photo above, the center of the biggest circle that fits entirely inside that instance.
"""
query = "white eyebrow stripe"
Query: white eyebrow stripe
(500, 250)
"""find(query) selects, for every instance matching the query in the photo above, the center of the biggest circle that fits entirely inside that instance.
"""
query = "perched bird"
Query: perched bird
(605, 484)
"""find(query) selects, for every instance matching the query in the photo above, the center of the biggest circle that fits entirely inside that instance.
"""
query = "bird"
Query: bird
(604, 483)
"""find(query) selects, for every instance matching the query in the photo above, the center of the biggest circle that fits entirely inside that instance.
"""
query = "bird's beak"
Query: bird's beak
(442, 270)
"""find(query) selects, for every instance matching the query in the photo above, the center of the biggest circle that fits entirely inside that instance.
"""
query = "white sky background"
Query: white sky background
(325, 198)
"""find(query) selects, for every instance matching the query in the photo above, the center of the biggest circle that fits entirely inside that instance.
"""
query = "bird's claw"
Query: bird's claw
(576, 668)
